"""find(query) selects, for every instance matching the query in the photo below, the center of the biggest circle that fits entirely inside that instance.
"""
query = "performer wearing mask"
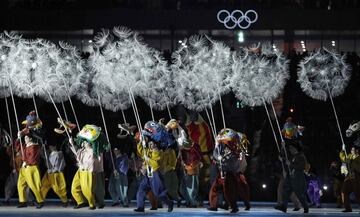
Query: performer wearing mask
(92, 144)
(226, 155)
(154, 135)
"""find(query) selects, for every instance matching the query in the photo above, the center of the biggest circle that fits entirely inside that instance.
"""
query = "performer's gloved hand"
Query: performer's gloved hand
(343, 147)
(201, 164)
(288, 162)
(219, 158)
(71, 141)
(146, 158)
(143, 142)
(344, 169)
(116, 174)
(132, 156)
(49, 171)
(23, 164)
(19, 135)
(280, 158)
(321, 193)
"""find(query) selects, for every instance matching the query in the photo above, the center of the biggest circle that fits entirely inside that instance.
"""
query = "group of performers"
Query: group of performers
(170, 161)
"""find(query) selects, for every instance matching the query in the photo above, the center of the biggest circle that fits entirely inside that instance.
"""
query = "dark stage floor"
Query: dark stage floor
(258, 209)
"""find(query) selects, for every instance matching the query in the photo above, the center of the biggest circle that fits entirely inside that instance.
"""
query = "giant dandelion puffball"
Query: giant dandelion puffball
(322, 72)
(258, 77)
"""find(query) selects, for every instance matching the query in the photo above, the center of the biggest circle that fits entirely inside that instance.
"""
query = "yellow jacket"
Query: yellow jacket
(154, 155)
(349, 157)
(169, 160)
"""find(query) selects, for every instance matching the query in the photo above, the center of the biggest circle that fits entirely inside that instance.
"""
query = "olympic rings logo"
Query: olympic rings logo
(230, 20)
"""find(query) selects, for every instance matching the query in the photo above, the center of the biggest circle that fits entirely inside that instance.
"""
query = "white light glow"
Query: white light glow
(264, 186)
(241, 37)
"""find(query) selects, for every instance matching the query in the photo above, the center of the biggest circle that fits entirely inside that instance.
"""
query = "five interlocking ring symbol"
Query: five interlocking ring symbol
(244, 21)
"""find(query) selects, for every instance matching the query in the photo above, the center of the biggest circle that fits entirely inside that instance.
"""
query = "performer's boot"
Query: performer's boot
(139, 209)
(212, 209)
(39, 205)
(281, 208)
(22, 205)
(170, 206)
(234, 210)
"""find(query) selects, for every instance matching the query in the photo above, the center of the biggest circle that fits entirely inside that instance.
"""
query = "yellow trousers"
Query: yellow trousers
(83, 185)
(56, 181)
(29, 176)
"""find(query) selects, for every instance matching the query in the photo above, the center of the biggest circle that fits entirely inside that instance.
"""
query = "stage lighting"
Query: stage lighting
(90, 41)
(291, 110)
(264, 186)
(325, 187)
(180, 41)
(241, 37)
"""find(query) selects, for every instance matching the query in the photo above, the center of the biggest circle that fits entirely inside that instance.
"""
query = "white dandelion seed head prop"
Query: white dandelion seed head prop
(24, 60)
(157, 86)
(6, 44)
(258, 75)
(69, 66)
(118, 63)
(202, 70)
(323, 71)
(46, 81)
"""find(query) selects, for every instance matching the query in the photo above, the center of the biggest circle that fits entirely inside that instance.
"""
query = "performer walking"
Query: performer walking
(29, 174)
(92, 144)
(149, 150)
(118, 183)
(54, 177)
(295, 182)
(226, 155)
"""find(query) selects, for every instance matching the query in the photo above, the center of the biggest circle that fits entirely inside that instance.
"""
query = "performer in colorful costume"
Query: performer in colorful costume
(352, 171)
(138, 167)
(91, 143)
(154, 138)
(29, 174)
(199, 132)
(11, 181)
(171, 180)
(54, 177)
(190, 159)
(226, 155)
